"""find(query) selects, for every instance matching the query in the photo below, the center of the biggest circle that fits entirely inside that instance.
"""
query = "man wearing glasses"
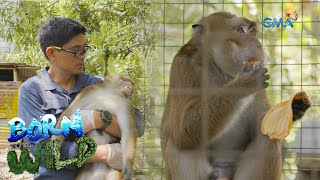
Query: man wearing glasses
(63, 43)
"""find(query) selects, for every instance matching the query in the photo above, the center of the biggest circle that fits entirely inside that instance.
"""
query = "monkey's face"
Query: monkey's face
(127, 89)
(125, 84)
(231, 42)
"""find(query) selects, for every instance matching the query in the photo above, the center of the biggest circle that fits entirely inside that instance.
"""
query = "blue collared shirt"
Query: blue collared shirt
(40, 95)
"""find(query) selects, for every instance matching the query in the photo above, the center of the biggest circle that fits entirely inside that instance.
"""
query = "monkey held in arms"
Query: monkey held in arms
(112, 95)
(218, 78)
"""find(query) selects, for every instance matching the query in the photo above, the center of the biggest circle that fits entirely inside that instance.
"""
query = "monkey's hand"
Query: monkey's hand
(251, 80)
(299, 107)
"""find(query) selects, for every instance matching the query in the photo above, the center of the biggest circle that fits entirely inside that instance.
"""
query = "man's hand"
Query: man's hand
(90, 120)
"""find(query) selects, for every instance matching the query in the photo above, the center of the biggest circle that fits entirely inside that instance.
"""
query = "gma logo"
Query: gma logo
(268, 22)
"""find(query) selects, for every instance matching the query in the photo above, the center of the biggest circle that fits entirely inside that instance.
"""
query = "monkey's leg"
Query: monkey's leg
(112, 174)
(261, 160)
(121, 107)
(186, 164)
(97, 170)
(128, 140)
(93, 171)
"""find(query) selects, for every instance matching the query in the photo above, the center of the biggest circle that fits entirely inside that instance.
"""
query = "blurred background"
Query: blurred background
(140, 39)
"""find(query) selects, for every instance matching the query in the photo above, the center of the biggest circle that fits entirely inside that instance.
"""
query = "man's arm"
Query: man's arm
(29, 108)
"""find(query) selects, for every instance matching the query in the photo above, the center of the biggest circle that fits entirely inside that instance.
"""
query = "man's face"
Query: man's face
(68, 62)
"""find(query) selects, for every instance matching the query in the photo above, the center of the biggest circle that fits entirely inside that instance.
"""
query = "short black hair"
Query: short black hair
(58, 31)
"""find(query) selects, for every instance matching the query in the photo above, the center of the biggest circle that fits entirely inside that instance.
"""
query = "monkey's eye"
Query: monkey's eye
(240, 29)
(253, 31)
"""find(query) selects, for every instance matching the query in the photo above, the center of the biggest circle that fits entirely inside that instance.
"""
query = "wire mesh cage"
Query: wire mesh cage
(292, 57)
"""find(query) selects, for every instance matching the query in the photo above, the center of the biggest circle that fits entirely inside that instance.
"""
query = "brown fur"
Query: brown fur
(210, 85)
(107, 95)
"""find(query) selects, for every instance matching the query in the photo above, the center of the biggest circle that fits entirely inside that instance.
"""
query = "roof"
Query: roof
(24, 71)
(14, 65)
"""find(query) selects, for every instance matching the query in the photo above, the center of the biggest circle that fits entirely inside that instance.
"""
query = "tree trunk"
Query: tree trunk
(105, 65)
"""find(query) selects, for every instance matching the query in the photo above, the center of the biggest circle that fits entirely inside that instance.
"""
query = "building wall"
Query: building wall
(8, 108)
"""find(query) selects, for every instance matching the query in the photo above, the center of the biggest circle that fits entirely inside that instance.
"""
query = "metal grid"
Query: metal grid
(292, 59)
(290, 72)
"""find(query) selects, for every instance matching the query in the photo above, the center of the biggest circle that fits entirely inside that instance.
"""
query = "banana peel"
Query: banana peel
(278, 120)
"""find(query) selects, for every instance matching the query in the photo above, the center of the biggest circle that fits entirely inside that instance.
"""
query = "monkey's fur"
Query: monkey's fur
(107, 95)
(211, 79)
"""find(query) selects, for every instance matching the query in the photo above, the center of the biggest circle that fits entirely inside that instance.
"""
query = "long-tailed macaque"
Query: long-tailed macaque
(111, 95)
(215, 105)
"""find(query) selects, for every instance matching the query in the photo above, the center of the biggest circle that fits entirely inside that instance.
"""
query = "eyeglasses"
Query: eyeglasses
(77, 54)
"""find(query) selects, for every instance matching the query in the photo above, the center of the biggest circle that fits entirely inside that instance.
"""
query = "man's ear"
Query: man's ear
(50, 53)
